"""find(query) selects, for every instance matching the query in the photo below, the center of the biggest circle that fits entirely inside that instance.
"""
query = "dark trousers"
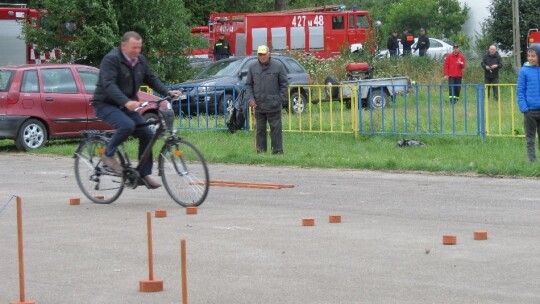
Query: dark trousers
(531, 121)
(495, 88)
(422, 52)
(276, 132)
(454, 87)
(406, 51)
(124, 122)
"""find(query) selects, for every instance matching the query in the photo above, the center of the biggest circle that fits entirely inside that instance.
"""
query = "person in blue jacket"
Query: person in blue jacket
(528, 94)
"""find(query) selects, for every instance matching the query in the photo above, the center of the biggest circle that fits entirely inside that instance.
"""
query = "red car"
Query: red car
(39, 102)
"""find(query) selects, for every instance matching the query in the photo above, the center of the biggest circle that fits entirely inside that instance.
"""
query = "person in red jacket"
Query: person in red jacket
(454, 64)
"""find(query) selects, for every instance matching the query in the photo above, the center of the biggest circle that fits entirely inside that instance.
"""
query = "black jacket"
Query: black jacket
(222, 47)
(407, 40)
(490, 60)
(119, 82)
(392, 43)
(423, 42)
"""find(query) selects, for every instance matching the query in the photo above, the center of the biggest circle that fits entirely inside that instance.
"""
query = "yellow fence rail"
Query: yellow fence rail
(502, 116)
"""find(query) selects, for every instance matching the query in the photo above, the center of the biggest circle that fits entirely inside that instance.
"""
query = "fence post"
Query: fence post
(481, 110)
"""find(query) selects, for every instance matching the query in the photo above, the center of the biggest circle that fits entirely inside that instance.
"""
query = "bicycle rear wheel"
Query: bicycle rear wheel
(184, 173)
(97, 183)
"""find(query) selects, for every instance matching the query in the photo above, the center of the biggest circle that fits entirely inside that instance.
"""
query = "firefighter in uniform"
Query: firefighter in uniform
(222, 49)
(407, 40)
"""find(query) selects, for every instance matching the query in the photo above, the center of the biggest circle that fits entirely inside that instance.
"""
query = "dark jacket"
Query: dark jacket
(392, 43)
(119, 82)
(423, 42)
(490, 60)
(222, 49)
(407, 40)
(267, 85)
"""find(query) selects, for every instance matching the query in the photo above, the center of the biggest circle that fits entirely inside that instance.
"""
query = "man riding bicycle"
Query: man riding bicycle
(122, 72)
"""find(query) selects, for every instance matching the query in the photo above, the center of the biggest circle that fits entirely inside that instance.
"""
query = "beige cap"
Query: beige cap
(262, 49)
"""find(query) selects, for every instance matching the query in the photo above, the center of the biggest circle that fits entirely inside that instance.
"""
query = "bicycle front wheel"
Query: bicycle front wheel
(184, 173)
(97, 183)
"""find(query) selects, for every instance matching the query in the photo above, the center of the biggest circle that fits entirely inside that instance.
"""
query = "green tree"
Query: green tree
(200, 10)
(442, 18)
(86, 30)
(500, 23)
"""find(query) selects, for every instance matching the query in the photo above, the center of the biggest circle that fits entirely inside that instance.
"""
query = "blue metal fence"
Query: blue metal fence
(420, 109)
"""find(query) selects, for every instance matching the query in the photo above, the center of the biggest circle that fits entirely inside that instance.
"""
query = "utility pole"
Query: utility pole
(516, 35)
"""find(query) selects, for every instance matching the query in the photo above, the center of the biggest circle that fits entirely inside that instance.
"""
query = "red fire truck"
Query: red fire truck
(533, 37)
(13, 48)
(322, 31)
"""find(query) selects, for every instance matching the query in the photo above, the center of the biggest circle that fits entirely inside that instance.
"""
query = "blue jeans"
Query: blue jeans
(125, 122)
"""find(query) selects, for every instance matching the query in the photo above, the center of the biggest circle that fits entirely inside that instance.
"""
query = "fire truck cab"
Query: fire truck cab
(13, 48)
(533, 37)
(323, 31)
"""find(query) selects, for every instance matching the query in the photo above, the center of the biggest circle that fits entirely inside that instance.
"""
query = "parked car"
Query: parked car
(438, 49)
(214, 89)
(39, 102)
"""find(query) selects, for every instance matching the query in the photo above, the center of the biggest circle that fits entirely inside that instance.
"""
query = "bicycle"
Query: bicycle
(181, 165)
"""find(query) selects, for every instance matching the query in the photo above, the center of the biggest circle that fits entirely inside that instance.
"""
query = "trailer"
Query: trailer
(373, 92)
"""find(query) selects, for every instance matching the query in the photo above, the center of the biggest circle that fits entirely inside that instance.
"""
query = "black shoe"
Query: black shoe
(277, 152)
(149, 182)
(261, 151)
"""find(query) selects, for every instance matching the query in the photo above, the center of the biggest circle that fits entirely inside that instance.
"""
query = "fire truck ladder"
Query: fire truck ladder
(314, 9)
(16, 5)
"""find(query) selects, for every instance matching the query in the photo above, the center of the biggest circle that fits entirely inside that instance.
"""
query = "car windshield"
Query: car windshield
(219, 68)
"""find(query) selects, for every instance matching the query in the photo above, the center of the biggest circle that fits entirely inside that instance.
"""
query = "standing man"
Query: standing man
(266, 89)
(423, 43)
(222, 49)
(492, 63)
(453, 71)
(393, 44)
(407, 40)
(122, 71)
(528, 94)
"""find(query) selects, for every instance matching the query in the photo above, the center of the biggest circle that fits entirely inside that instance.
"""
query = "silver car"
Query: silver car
(438, 49)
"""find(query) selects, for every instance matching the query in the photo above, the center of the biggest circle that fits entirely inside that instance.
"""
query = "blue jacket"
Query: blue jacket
(528, 88)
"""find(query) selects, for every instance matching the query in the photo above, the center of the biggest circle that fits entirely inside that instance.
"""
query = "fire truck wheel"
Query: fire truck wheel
(32, 135)
(298, 102)
(332, 91)
(379, 98)
(226, 104)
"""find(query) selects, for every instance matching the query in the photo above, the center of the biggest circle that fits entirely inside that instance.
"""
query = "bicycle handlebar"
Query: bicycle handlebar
(168, 98)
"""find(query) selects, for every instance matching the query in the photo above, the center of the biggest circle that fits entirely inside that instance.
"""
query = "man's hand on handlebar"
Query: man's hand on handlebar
(132, 105)
(174, 93)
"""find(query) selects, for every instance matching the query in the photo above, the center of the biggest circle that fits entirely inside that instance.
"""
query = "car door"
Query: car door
(89, 78)
(62, 101)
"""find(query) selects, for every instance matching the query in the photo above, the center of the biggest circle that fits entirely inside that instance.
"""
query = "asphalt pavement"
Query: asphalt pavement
(248, 245)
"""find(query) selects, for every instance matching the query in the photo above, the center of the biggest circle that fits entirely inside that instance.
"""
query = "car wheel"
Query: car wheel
(32, 135)
(332, 91)
(151, 116)
(298, 101)
(379, 98)
(226, 104)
